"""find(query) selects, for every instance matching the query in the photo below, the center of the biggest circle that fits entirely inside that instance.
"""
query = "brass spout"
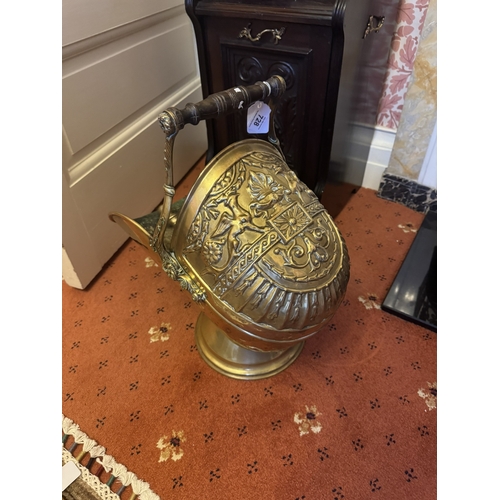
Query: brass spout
(142, 228)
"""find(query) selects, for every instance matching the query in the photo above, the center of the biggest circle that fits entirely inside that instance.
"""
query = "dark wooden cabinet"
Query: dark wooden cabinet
(317, 46)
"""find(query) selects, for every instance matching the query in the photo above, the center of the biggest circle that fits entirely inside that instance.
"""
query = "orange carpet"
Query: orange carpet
(354, 417)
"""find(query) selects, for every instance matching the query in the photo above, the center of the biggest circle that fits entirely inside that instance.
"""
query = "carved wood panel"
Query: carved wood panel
(245, 65)
(307, 53)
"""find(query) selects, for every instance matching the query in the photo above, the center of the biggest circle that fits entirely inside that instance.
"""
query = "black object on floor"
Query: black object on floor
(413, 294)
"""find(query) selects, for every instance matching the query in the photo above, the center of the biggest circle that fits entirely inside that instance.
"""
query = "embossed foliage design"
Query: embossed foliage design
(257, 232)
(256, 195)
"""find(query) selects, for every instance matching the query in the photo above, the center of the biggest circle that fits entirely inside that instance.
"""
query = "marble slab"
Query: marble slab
(409, 193)
(413, 294)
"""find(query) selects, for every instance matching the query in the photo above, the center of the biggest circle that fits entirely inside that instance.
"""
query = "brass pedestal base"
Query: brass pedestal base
(234, 361)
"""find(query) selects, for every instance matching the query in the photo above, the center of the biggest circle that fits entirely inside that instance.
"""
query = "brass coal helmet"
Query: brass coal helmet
(251, 243)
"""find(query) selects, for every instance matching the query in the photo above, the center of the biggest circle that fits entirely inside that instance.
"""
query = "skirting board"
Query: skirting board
(410, 193)
(379, 155)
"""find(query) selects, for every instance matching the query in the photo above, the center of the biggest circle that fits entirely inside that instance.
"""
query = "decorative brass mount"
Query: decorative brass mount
(374, 24)
(251, 243)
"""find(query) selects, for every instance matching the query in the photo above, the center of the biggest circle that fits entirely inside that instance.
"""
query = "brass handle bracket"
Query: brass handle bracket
(374, 24)
(276, 34)
(176, 272)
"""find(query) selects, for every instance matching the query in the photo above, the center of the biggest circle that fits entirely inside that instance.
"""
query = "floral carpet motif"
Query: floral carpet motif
(354, 417)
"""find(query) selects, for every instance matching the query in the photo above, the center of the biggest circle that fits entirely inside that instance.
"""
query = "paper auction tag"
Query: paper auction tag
(258, 118)
(70, 472)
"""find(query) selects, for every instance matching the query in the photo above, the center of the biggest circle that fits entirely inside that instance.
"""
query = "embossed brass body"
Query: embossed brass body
(257, 251)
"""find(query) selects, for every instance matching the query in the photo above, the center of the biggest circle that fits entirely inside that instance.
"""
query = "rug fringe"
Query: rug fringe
(119, 471)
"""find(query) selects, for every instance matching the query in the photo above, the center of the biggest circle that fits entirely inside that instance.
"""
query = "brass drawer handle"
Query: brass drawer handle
(276, 33)
(374, 25)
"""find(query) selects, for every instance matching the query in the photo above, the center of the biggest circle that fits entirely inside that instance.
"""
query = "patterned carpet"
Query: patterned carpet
(353, 418)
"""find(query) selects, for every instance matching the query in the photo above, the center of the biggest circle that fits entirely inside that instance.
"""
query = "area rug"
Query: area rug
(353, 418)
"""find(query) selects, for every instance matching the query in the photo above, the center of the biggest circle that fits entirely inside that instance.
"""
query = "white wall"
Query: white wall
(123, 62)
(428, 173)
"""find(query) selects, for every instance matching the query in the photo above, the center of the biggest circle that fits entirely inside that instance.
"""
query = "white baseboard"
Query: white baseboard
(379, 154)
(428, 172)
(68, 272)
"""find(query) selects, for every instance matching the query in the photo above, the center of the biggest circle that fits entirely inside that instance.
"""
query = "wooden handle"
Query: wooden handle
(222, 103)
